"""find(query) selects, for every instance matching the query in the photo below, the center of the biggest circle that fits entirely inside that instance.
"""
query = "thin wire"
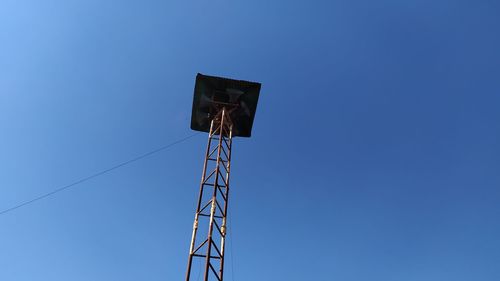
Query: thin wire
(199, 270)
(231, 242)
(95, 175)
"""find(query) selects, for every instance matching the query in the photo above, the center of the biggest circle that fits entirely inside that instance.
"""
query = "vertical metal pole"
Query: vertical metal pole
(196, 217)
(226, 202)
(214, 195)
(217, 160)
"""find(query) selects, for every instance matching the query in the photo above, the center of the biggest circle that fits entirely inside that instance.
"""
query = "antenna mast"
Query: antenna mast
(224, 108)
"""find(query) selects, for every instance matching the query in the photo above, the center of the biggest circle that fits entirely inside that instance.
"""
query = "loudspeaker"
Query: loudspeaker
(212, 93)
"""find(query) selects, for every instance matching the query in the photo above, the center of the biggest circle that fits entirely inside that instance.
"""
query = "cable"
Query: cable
(95, 175)
(199, 270)
(231, 243)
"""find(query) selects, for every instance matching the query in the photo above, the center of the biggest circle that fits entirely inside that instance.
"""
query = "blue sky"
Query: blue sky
(374, 156)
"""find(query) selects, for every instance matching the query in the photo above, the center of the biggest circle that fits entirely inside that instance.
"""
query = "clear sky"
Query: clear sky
(375, 154)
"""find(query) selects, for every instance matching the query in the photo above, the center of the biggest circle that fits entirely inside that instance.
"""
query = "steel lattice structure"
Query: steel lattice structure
(224, 108)
(211, 211)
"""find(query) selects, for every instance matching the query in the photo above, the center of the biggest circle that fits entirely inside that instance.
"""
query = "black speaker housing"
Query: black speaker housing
(212, 93)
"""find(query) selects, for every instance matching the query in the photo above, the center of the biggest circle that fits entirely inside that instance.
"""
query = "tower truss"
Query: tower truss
(210, 220)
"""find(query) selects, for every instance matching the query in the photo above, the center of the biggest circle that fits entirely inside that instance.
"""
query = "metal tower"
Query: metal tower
(224, 108)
